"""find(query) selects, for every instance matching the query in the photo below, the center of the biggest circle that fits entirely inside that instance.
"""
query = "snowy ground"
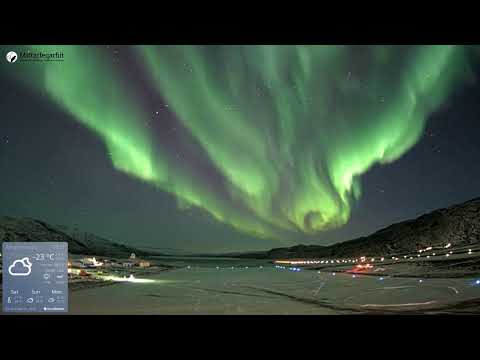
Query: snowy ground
(221, 286)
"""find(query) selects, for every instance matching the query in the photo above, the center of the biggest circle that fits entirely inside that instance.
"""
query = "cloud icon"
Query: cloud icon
(21, 267)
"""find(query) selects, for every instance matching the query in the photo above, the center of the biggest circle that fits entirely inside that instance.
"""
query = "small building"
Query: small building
(143, 264)
(107, 263)
(82, 272)
(91, 262)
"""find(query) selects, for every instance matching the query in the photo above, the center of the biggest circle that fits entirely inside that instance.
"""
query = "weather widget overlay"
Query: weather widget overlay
(35, 277)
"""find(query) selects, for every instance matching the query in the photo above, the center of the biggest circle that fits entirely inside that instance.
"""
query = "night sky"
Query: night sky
(229, 148)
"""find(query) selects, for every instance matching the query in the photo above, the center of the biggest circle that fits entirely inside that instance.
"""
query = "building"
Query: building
(143, 264)
(82, 272)
(128, 264)
(91, 262)
(107, 263)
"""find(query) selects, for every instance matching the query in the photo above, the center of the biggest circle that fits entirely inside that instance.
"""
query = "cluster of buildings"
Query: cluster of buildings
(134, 261)
(79, 266)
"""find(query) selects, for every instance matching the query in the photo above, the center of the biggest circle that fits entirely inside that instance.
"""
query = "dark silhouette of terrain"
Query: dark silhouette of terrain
(458, 225)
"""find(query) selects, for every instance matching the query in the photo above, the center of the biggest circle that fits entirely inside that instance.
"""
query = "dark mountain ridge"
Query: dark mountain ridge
(79, 242)
(458, 225)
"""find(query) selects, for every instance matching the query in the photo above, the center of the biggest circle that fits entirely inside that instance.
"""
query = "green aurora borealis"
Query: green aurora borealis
(289, 129)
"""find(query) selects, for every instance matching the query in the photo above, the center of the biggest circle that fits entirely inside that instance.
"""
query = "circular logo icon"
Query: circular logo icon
(12, 56)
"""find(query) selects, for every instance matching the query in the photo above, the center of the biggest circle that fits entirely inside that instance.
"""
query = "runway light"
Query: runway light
(477, 282)
(381, 279)
(448, 245)
(420, 281)
(434, 254)
(428, 256)
(333, 274)
(447, 255)
(354, 276)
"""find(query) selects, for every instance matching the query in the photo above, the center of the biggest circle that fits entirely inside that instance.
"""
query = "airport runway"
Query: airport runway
(265, 289)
